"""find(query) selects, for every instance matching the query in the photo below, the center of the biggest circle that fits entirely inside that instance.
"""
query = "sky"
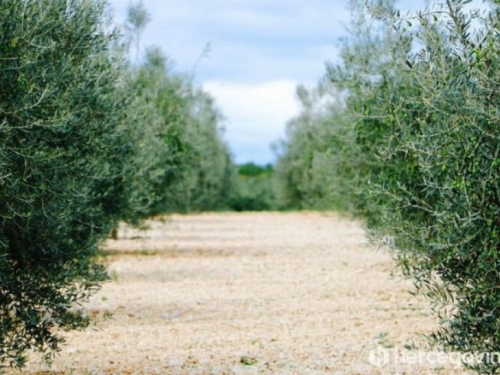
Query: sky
(259, 51)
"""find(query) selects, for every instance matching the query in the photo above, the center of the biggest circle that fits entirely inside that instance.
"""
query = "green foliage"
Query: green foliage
(253, 189)
(137, 20)
(316, 161)
(331, 153)
(444, 223)
(85, 142)
(370, 79)
(252, 169)
(63, 177)
(137, 17)
(193, 168)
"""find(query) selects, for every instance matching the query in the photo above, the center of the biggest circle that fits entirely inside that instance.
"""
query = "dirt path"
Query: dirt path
(269, 293)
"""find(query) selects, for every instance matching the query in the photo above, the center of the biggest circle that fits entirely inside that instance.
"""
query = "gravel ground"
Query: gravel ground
(262, 293)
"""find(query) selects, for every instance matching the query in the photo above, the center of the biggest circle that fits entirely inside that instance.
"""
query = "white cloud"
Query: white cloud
(261, 50)
(256, 115)
(272, 35)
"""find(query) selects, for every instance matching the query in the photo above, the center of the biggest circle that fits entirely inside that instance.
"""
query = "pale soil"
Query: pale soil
(286, 293)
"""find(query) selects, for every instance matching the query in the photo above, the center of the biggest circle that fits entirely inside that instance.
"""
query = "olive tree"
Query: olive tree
(332, 154)
(444, 224)
(194, 168)
(64, 146)
(317, 160)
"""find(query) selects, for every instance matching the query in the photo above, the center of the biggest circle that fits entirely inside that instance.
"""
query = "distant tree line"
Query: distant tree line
(405, 132)
(254, 189)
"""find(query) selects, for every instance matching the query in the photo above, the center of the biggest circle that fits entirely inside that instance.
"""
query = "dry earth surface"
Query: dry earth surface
(263, 293)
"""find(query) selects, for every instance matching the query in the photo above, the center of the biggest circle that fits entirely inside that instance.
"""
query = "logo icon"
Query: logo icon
(379, 357)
